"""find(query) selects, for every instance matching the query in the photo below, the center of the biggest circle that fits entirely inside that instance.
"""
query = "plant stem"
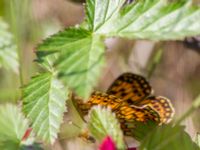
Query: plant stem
(16, 38)
(195, 105)
(155, 60)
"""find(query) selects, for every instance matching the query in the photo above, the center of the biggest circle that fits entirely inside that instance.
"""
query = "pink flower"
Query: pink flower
(107, 144)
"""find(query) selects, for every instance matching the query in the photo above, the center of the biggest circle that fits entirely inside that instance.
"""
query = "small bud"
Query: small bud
(26, 134)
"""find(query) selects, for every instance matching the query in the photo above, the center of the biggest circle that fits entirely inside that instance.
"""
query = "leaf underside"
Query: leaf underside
(146, 19)
(12, 127)
(103, 123)
(80, 58)
(44, 104)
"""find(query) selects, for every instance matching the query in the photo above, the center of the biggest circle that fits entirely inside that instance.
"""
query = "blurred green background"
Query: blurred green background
(173, 68)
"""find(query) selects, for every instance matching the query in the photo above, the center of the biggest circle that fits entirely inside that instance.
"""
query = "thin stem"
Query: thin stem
(195, 105)
(185, 115)
(16, 38)
(155, 60)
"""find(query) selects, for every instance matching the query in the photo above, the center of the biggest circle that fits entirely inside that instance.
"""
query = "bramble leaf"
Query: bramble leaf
(44, 104)
(148, 19)
(63, 39)
(103, 123)
(79, 60)
(101, 11)
(13, 125)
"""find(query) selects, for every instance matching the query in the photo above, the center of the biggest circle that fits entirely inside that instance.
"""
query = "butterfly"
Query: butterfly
(130, 98)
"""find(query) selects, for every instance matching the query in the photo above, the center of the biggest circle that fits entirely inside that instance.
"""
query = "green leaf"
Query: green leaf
(79, 60)
(8, 53)
(44, 104)
(102, 122)
(46, 60)
(149, 19)
(81, 64)
(13, 125)
(100, 11)
(141, 130)
(63, 39)
(168, 137)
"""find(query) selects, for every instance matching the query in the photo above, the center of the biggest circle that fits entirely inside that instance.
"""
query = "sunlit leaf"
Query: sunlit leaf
(79, 60)
(145, 19)
(101, 11)
(63, 39)
(103, 123)
(44, 104)
(12, 127)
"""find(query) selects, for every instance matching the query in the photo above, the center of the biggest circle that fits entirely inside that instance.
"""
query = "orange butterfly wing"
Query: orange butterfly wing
(97, 98)
(130, 87)
(161, 105)
(129, 115)
(135, 90)
(125, 113)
